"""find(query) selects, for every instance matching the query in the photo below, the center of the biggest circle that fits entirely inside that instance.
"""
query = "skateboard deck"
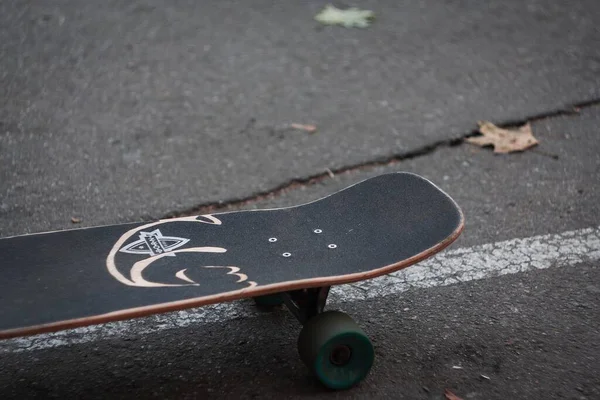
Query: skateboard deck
(66, 279)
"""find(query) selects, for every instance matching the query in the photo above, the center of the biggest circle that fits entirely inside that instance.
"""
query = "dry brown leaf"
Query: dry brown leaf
(450, 396)
(504, 140)
(304, 127)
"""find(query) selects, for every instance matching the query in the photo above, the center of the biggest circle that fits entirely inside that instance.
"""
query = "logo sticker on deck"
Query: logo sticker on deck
(154, 243)
(151, 246)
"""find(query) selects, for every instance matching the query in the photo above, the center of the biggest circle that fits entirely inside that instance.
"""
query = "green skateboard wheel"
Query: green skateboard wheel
(336, 350)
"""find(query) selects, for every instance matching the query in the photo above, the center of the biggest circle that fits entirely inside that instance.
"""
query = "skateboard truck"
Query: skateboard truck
(330, 343)
(306, 303)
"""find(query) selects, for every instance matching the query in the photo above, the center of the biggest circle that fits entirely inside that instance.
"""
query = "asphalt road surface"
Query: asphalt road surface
(117, 112)
(97, 123)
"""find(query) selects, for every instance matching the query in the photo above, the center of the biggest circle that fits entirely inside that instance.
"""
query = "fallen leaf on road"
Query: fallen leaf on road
(349, 18)
(75, 220)
(303, 127)
(450, 396)
(504, 140)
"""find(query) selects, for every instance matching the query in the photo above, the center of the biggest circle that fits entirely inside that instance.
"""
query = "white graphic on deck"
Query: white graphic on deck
(153, 243)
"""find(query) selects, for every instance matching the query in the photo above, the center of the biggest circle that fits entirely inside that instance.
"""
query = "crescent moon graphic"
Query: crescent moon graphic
(136, 278)
(136, 271)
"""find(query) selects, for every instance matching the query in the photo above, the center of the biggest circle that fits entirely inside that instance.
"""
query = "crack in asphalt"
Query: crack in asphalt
(568, 111)
(207, 208)
(572, 110)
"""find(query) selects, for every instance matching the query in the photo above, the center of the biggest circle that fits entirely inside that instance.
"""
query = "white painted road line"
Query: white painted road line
(450, 267)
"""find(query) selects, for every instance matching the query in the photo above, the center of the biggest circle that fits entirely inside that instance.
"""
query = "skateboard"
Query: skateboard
(72, 278)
